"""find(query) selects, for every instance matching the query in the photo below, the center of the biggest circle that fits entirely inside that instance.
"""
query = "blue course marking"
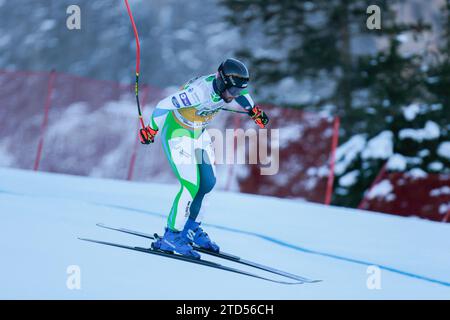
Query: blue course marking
(295, 247)
(261, 236)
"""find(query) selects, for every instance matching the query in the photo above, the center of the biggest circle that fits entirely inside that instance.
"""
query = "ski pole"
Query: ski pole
(138, 57)
(232, 110)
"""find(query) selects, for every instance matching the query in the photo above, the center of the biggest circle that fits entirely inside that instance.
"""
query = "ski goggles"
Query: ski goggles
(235, 91)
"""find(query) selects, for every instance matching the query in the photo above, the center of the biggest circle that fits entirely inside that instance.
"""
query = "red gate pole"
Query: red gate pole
(138, 61)
(334, 143)
(48, 100)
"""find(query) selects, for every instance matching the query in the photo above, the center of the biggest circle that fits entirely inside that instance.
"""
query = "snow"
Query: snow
(41, 223)
(348, 151)
(349, 179)
(410, 112)
(432, 80)
(444, 149)
(48, 24)
(415, 161)
(290, 133)
(436, 166)
(6, 159)
(379, 147)
(308, 6)
(322, 171)
(444, 208)
(5, 39)
(429, 132)
(436, 106)
(380, 190)
(416, 173)
(396, 162)
(440, 191)
(184, 34)
(424, 153)
(402, 37)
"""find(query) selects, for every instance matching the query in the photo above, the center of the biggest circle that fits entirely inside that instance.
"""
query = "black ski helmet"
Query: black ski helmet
(232, 76)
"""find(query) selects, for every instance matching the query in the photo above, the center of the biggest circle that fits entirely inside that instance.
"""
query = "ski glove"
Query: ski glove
(147, 135)
(259, 116)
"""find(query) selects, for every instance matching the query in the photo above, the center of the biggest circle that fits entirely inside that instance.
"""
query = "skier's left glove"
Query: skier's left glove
(259, 116)
(147, 135)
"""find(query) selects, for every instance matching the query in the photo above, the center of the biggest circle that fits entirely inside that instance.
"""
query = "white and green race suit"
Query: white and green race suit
(181, 118)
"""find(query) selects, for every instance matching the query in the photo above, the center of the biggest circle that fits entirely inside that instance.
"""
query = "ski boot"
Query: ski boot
(174, 242)
(195, 235)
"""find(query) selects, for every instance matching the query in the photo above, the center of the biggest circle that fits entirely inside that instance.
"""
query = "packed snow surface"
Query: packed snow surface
(42, 215)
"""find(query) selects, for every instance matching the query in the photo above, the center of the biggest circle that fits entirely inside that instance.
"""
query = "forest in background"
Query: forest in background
(388, 86)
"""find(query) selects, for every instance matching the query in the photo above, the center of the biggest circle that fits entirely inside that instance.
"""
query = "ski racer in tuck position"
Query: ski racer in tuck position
(182, 119)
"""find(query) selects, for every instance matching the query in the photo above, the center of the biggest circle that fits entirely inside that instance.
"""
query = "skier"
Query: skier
(182, 118)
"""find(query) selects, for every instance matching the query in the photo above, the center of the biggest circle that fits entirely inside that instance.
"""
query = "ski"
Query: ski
(187, 259)
(222, 255)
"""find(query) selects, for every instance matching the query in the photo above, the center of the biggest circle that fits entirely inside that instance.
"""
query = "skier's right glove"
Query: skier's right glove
(259, 116)
(147, 135)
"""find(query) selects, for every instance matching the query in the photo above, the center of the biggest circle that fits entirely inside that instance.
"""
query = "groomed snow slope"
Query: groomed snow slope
(42, 215)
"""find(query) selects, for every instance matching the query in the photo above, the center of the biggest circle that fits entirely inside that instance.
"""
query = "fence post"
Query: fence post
(377, 179)
(334, 144)
(48, 100)
(136, 143)
(447, 216)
